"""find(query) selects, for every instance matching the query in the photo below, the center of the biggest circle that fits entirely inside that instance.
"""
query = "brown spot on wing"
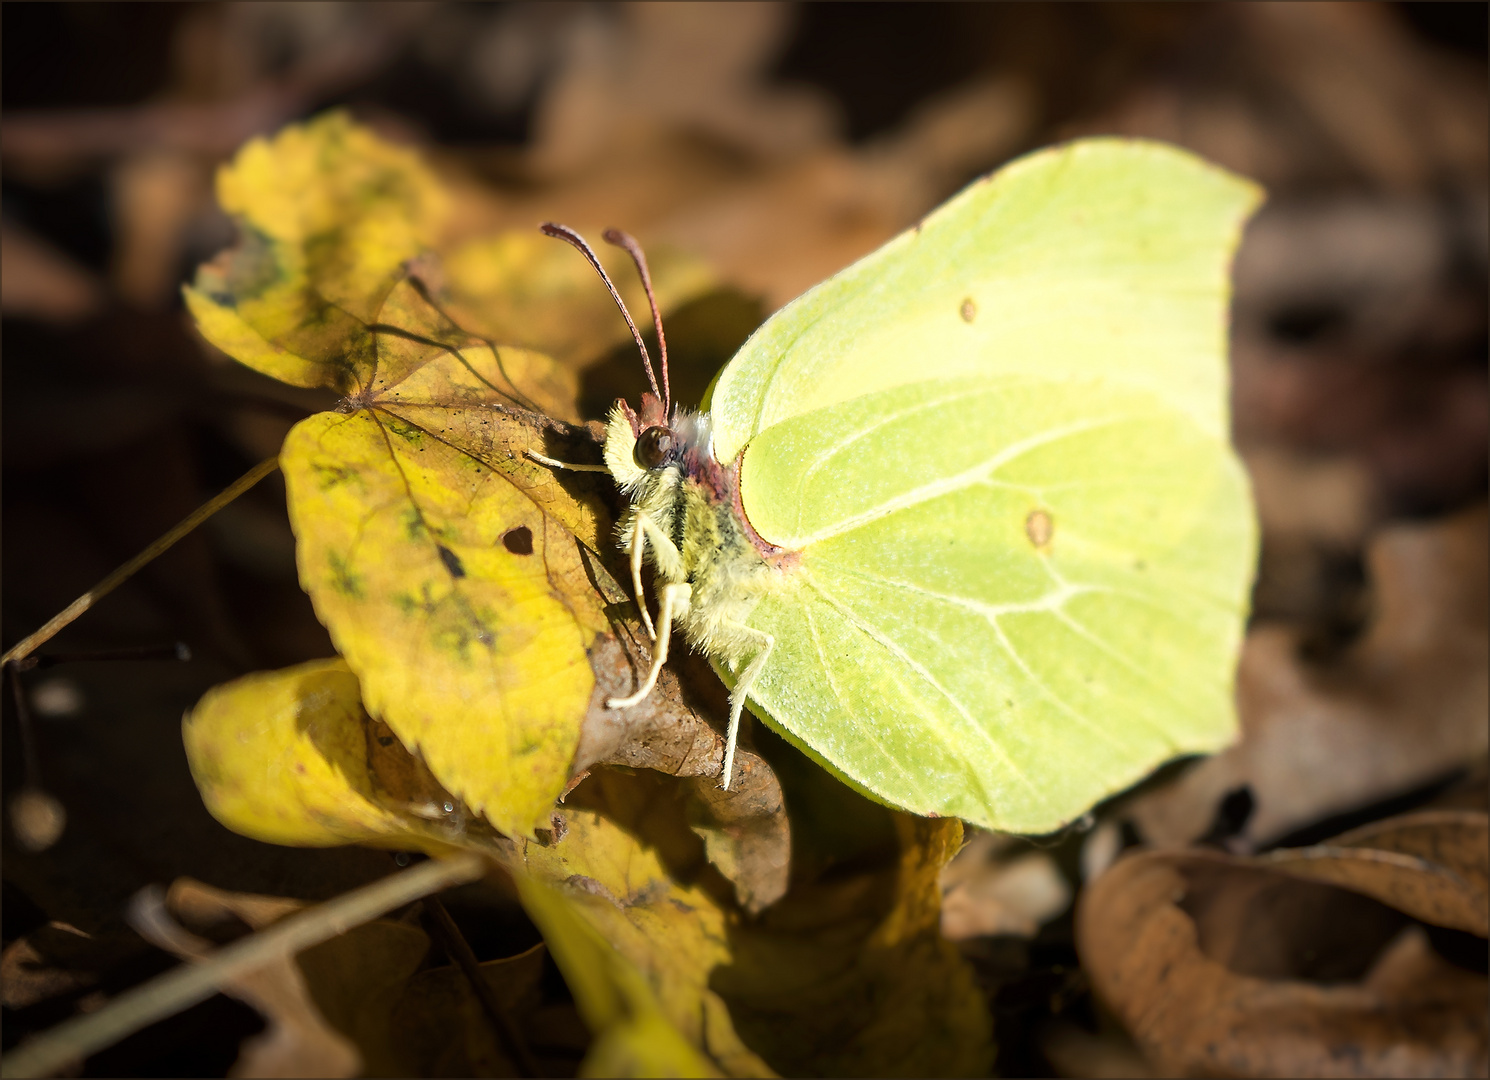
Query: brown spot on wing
(1039, 527)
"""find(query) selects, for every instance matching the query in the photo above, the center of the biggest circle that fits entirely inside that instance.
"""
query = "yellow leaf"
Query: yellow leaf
(290, 757)
(844, 975)
(611, 868)
(457, 578)
(632, 1036)
(464, 607)
(331, 220)
(328, 215)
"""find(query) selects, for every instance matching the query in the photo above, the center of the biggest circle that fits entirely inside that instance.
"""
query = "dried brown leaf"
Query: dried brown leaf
(43, 965)
(1431, 865)
(1224, 968)
(439, 1029)
(1401, 707)
(297, 1040)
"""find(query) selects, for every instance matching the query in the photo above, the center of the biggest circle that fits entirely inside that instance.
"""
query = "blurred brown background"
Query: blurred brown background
(779, 142)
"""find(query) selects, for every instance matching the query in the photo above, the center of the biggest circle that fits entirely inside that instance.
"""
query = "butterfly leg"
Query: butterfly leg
(534, 455)
(742, 691)
(664, 554)
(676, 600)
(638, 548)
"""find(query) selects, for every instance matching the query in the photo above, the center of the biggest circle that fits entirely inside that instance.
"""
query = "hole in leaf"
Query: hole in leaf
(519, 541)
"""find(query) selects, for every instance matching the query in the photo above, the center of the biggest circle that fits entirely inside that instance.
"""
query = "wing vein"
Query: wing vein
(947, 485)
(934, 721)
(892, 417)
(1052, 600)
(863, 729)
(1161, 686)
(1040, 684)
(1052, 604)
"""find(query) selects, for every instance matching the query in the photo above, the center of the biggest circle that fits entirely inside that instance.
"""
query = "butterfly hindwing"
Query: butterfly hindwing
(1010, 599)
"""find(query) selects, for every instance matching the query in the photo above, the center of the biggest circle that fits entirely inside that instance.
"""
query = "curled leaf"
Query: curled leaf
(1255, 967)
(297, 1040)
(291, 757)
(1431, 864)
(315, 770)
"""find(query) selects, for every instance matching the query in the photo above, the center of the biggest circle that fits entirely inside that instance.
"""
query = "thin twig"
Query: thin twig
(191, 983)
(459, 950)
(177, 650)
(27, 645)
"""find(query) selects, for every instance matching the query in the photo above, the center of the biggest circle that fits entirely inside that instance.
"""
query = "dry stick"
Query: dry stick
(454, 943)
(191, 983)
(177, 650)
(128, 570)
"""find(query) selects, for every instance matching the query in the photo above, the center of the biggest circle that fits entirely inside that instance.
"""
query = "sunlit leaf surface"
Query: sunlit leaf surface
(450, 570)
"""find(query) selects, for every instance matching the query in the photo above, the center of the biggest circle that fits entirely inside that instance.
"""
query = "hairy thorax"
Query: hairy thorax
(695, 502)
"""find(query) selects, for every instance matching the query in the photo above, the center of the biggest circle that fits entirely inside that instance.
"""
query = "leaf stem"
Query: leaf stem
(184, 986)
(27, 645)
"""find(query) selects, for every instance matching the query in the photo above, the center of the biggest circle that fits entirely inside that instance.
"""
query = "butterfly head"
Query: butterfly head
(650, 441)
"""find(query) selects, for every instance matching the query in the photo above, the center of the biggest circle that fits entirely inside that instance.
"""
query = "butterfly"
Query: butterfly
(963, 521)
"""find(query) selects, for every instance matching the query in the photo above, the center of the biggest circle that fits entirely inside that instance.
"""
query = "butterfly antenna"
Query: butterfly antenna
(628, 242)
(575, 240)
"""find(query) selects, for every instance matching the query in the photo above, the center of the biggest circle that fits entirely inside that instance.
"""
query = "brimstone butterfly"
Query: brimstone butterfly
(963, 522)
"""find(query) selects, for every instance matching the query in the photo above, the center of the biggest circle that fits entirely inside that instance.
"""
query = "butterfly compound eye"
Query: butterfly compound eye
(653, 446)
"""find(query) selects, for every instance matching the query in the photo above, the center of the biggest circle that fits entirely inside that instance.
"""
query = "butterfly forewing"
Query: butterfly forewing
(1105, 258)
